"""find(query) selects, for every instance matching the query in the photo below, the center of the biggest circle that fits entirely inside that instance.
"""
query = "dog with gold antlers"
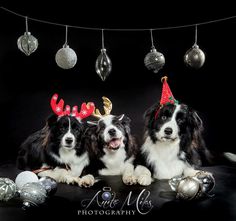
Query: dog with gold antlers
(110, 145)
(56, 149)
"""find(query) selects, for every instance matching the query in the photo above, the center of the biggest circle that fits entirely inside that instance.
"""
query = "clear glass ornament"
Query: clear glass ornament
(194, 57)
(27, 43)
(103, 65)
(154, 60)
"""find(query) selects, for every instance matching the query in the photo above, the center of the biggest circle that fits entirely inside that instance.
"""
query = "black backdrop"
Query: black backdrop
(28, 82)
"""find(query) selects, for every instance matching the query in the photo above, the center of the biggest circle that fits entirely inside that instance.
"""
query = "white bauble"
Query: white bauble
(25, 177)
(66, 57)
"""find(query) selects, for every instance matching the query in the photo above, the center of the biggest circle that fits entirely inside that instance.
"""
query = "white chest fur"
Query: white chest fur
(76, 163)
(163, 157)
(114, 162)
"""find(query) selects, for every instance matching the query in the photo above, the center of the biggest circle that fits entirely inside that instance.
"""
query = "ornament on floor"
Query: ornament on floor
(154, 60)
(103, 64)
(8, 189)
(27, 43)
(49, 184)
(25, 177)
(194, 57)
(195, 187)
(32, 194)
(66, 57)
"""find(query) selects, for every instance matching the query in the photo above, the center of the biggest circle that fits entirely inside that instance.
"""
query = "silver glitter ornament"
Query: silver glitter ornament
(103, 65)
(32, 194)
(66, 57)
(49, 184)
(27, 43)
(154, 60)
(194, 57)
(7, 189)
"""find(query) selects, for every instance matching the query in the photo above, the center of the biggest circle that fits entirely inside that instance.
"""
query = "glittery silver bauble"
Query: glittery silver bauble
(32, 194)
(7, 189)
(194, 57)
(174, 182)
(25, 177)
(66, 57)
(27, 43)
(154, 60)
(49, 184)
(103, 65)
(188, 188)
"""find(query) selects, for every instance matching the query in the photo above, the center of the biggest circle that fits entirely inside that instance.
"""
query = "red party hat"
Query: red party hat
(166, 95)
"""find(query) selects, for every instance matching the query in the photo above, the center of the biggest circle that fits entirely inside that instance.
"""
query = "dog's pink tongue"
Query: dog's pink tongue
(114, 143)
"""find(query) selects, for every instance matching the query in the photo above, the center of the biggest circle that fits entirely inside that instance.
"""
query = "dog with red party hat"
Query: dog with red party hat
(173, 143)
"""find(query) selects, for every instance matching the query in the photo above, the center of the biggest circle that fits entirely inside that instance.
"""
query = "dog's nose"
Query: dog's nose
(168, 131)
(112, 132)
(69, 140)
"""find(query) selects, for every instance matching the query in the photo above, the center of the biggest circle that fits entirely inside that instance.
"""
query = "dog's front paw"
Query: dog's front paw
(86, 181)
(46, 173)
(144, 180)
(129, 180)
(68, 179)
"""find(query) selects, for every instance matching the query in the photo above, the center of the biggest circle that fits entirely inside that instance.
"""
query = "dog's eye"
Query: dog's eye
(163, 117)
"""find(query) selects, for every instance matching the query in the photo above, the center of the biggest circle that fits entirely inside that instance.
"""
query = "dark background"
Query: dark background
(28, 82)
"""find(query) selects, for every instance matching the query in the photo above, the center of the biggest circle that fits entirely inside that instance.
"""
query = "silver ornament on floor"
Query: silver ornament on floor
(194, 57)
(154, 60)
(103, 65)
(206, 180)
(32, 194)
(188, 188)
(49, 184)
(7, 189)
(27, 43)
(66, 57)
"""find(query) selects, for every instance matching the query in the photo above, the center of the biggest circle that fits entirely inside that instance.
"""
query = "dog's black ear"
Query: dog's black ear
(52, 119)
(125, 121)
(149, 115)
(195, 121)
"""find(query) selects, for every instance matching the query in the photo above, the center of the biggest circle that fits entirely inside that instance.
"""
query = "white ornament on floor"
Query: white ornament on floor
(25, 177)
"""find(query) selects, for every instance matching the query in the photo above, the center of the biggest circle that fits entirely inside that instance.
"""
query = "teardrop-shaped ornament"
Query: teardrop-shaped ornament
(103, 65)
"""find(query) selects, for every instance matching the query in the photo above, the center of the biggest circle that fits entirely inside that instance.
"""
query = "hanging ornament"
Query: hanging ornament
(103, 64)
(154, 60)
(49, 184)
(32, 194)
(194, 57)
(25, 177)
(27, 43)
(7, 189)
(66, 57)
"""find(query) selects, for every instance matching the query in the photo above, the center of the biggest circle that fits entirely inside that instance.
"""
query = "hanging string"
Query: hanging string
(152, 39)
(66, 36)
(26, 24)
(121, 29)
(102, 39)
(195, 35)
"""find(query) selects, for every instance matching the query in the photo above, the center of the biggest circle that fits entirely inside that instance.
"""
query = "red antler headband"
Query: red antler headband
(58, 108)
(166, 96)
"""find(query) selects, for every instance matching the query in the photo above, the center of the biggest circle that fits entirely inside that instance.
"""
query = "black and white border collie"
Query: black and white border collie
(111, 148)
(57, 147)
(173, 143)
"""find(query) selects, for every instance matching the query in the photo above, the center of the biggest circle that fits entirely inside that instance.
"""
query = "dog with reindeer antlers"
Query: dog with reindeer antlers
(110, 145)
(56, 149)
